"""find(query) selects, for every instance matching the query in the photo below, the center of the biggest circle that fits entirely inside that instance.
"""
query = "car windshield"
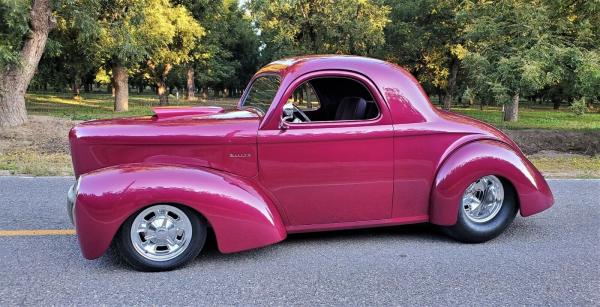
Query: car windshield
(261, 93)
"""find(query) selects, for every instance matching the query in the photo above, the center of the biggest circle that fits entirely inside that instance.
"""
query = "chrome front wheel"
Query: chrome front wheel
(161, 237)
(161, 232)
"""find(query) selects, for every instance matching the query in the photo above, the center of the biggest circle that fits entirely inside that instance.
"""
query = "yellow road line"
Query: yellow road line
(36, 232)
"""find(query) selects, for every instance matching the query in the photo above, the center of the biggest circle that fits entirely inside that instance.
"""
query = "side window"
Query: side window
(330, 99)
(262, 92)
(305, 98)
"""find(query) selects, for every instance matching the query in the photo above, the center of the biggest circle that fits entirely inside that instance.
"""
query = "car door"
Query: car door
(327, 172)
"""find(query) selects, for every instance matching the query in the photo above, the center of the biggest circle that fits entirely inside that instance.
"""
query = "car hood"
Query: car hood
(192, 125)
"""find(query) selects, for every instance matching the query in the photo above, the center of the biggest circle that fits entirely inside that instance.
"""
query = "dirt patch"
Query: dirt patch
(40, 147)
(533, 141)
(43, 134)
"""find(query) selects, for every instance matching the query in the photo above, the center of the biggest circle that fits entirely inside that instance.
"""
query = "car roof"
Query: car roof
(320, 62)
(394, 82)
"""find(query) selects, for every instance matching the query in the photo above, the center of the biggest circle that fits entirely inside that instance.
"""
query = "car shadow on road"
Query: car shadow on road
(405, 233)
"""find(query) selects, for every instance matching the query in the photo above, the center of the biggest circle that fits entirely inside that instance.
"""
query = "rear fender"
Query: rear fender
(241, 215)
(480, 158)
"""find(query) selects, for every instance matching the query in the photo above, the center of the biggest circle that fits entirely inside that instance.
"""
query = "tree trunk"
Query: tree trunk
(556, 104)
(121, 87)
(447, 102)
(161, 82)
(75, 89)
(163, 98)
(451, 84)
(204, 92)
(511, 110)
(190, 89)
(15, 79)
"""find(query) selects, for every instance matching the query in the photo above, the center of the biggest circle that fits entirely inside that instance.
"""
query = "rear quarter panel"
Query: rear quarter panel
(480, 158)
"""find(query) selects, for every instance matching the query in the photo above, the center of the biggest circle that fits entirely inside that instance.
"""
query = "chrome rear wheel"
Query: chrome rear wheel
(487, 206)
(483, 199)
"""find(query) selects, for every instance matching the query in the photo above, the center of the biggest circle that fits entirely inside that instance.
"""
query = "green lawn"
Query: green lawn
(539, 118)
(99, 105)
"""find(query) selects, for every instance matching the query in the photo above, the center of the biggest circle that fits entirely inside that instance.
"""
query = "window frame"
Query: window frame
(274, 117)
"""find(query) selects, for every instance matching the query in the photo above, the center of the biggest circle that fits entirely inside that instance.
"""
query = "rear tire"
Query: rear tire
(161, 237)
(484, 225)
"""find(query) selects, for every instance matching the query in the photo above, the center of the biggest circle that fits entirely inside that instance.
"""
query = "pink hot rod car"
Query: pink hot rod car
(317, 143)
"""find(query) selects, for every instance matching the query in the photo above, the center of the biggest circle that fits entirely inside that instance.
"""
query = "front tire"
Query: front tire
(487, 207)
(161, 237)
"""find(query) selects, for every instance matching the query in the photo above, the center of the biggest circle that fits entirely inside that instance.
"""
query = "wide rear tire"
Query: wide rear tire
(487, 207)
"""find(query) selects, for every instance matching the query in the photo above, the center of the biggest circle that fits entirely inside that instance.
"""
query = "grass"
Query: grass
(539, 118)
(31, 162)
(100, 105)
(568, 166)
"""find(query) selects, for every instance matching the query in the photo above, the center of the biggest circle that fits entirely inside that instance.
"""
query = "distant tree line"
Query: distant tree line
(468, 51)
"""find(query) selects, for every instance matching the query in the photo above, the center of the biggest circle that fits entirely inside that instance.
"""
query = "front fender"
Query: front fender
(477, 159)
(241, 215)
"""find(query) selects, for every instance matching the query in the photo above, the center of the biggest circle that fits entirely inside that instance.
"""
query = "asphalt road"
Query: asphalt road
(549, 259)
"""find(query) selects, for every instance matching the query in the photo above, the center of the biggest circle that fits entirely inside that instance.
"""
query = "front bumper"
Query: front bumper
(71, 196)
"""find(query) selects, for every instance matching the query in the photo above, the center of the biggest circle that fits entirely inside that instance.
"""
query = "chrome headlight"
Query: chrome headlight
(71, 198)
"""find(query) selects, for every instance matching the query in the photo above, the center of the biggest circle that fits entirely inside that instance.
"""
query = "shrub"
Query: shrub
(578, 107)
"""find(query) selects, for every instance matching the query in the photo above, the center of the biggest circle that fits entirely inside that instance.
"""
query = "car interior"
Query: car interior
(330, 99)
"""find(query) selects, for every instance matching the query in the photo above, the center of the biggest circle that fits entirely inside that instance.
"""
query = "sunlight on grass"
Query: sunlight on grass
(97, 105)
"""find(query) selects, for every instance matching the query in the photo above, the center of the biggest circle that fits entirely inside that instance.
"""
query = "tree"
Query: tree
(176, 33)
(23, 34)
(319, 26)
(425, 37)
(121, 34)
(227, 56)
(510, 49)
(64, 62)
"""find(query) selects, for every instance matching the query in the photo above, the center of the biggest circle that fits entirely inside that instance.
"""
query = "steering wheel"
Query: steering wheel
(302, 114)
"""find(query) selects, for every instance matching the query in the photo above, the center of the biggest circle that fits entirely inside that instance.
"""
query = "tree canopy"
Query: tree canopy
(491, 52)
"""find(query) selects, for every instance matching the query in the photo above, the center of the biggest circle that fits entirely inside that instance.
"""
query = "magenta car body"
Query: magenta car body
(256, 178)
